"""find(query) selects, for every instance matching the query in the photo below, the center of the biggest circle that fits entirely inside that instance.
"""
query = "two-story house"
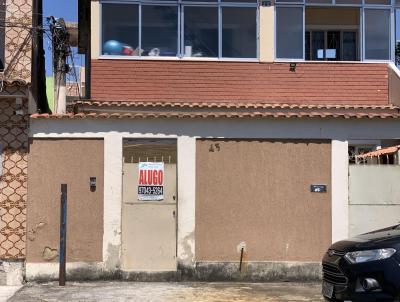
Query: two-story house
(215, 142)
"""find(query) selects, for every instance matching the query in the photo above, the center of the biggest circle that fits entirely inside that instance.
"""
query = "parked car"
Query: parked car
(364, 268)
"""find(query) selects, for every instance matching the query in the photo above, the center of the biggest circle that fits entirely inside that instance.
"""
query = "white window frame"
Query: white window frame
(325, 30)
(180, 39)
(303, 37)
(301, 3)
(391, 45)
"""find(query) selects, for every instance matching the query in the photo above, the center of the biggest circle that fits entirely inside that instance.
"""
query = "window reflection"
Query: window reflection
(239, 29)
(120, 31)
(159, 30)
(183, 30)
(201, 31)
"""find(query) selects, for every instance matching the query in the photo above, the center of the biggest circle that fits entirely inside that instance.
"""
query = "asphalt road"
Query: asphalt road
(170, 292)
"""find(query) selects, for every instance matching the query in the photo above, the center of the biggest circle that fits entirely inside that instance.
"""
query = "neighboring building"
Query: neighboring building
(16, 35)
(249, 113)
(76, 85)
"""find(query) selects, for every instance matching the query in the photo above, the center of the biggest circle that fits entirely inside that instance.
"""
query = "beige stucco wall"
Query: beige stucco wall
(185, 131)
(267, 34)
(95, 30)
(71, 161)
(259, 192)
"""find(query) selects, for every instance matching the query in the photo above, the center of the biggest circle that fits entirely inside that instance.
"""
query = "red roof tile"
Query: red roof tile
(253, 105)
(380, 152)
(180, 110)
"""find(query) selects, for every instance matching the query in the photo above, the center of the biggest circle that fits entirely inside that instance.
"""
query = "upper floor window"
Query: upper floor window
(184, 29)
(312, 30)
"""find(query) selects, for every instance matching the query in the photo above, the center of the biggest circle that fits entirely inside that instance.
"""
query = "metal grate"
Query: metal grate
(14, 128)
(18, 40)
(333, 274)
(13, 181)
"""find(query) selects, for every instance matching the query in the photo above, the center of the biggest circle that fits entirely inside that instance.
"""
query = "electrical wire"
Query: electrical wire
(73, 73)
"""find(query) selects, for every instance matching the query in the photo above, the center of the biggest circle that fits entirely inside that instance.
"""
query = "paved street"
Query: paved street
(170, 292)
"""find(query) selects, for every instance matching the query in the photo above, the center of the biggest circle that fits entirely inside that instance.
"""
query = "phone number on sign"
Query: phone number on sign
(150, 190)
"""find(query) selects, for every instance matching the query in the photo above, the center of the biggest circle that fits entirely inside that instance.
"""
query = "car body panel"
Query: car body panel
(386, 272)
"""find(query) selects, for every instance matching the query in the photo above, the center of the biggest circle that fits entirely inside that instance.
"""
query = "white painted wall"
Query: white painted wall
(112, 199)
(340, 187)
(367, 218)
(186, 199)
(339, 129)
(374, 184)
(374, 197)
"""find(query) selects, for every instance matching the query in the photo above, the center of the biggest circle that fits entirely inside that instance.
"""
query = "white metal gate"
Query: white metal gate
(149, 227)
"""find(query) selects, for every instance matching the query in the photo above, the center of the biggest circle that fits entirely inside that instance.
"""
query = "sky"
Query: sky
(67, 9)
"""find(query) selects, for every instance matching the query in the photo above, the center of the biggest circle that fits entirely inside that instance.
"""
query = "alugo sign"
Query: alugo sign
(151, 181)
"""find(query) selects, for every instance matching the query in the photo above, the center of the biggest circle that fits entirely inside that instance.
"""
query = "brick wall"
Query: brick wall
(311, 83)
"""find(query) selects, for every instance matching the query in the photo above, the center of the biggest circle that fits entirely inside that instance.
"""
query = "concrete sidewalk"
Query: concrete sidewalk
(170, 292)
(7, 292)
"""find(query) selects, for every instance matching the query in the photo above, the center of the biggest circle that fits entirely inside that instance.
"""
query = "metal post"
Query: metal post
(241, 259)
(63, 235)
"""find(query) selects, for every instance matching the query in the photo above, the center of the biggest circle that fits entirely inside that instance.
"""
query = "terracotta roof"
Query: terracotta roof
(240, 82)
(255, 110)
(192, 104)
(380, 152)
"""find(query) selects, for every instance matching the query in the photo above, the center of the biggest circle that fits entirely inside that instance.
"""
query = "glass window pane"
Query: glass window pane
(377, 34)
(239, 32)
(120, 29)
(349, 46)
(159, 30)
(308, 45)
(200, 31)
(332, 52)
(289, 32)
(318, 45)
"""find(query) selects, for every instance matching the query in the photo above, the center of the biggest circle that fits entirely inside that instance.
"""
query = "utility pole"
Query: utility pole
(61, 51)
(40, 103)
